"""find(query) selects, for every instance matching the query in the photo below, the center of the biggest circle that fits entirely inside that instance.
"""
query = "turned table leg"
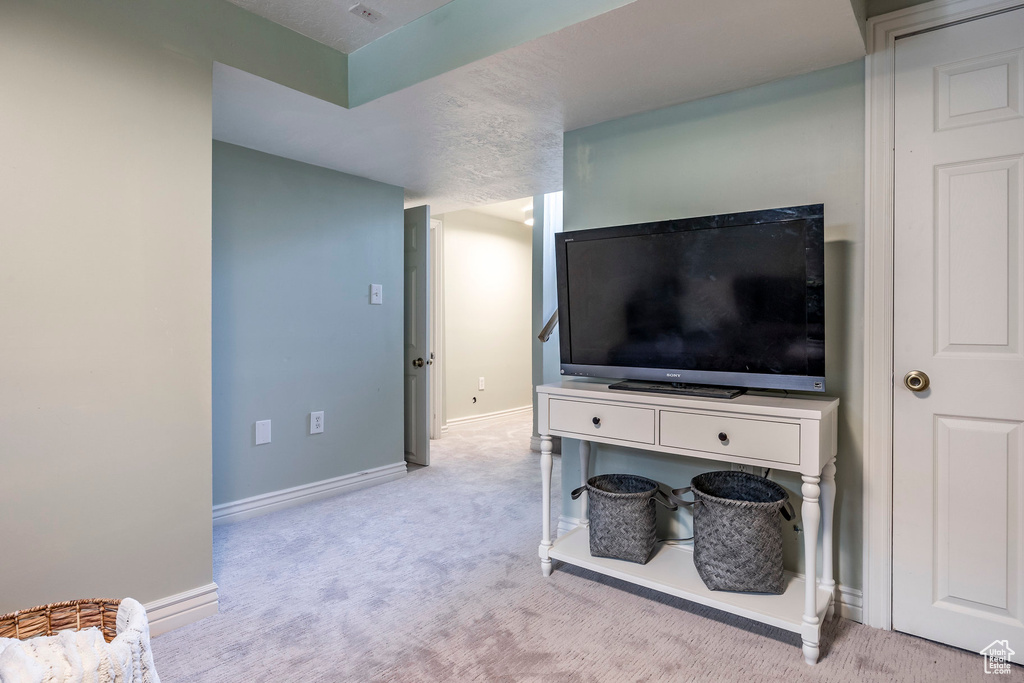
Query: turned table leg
(584, 475)
(828, 500)
(811, 513)
(545, 477)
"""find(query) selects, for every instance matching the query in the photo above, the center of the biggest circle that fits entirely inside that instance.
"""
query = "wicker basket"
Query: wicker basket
(622, 515)
(737, 539)
(75, 615)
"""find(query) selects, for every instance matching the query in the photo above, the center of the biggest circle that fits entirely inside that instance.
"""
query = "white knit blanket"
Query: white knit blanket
(83, 656)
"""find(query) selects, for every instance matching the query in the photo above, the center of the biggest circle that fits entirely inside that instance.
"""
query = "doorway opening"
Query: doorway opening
(482, 313)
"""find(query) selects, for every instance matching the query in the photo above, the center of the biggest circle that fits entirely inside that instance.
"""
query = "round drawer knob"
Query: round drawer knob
(597, 422)
(723, 437)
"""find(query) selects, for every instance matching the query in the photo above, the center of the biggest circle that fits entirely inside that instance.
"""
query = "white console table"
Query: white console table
(793, 434)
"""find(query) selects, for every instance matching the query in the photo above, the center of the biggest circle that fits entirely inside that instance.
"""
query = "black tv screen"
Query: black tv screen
(730, 300)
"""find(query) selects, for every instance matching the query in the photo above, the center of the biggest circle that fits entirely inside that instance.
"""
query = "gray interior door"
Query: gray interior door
(417, 335)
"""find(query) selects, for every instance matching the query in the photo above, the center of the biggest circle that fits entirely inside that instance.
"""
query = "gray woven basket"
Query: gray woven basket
(622, 515)
(737, 539)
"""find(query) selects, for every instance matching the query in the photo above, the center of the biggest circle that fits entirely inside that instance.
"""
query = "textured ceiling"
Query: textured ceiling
(492, 130)
(470, 143)
(331, 23)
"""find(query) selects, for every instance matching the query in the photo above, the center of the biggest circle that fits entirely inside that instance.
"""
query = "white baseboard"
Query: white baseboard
(444, 428)
(556, 444)
(278, 500)
(850, 604)
(849, 601)
(178, 610)
(489, 416)
(566, 524)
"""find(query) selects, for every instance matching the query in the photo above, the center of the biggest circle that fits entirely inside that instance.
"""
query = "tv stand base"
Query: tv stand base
(678, 389)
(795, 435)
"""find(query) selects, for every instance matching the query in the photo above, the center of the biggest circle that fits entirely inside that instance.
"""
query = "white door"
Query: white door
(958, 445)
(417, 335)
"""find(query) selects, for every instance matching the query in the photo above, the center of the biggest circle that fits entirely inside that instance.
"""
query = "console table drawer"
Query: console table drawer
(613, 422)
(755, 439)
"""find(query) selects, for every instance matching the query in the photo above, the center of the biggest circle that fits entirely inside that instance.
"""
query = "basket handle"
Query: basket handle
(787, 511)
(678, 493)
(668, 501)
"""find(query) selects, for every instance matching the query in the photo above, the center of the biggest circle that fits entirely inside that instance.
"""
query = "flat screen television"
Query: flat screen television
(735, 300)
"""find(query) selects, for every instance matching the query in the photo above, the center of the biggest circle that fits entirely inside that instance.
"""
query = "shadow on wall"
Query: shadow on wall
(840, 267)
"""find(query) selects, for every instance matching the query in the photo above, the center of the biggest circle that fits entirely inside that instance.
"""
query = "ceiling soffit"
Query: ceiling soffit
(492, 130)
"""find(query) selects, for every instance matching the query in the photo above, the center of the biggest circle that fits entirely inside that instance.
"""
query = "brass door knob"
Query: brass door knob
(915, 380)
(418, 363)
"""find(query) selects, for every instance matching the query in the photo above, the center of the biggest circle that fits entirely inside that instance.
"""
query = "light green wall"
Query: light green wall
(797, 141)
(295, 249)
(457, 34)
(487, 313)
(104, 313)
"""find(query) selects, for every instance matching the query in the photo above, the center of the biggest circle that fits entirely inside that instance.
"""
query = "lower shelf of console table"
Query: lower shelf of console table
(671, 570)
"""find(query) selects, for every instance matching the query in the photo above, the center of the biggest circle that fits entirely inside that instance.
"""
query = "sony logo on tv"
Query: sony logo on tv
(673, 374)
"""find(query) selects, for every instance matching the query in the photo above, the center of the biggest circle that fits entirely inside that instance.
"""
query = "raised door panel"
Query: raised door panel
(978, 273)
(978, 489)
(978, 91)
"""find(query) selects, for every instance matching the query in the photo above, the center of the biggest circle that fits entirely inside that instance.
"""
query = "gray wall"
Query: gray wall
(295, 249)
(487, 313)
(875, 8)
(797, 141)
(104, 313)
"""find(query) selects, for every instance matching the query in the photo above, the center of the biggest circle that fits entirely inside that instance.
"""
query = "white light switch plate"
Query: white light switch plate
(316, 422)
(480, 384)
(376, 295)
(262, 432)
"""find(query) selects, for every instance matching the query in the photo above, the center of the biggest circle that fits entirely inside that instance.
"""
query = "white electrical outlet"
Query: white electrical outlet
(262, 432)
(480, 384)
(376, 295)
(316, 422)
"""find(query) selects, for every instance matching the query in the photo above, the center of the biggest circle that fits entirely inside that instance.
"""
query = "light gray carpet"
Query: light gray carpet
(435, 577)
